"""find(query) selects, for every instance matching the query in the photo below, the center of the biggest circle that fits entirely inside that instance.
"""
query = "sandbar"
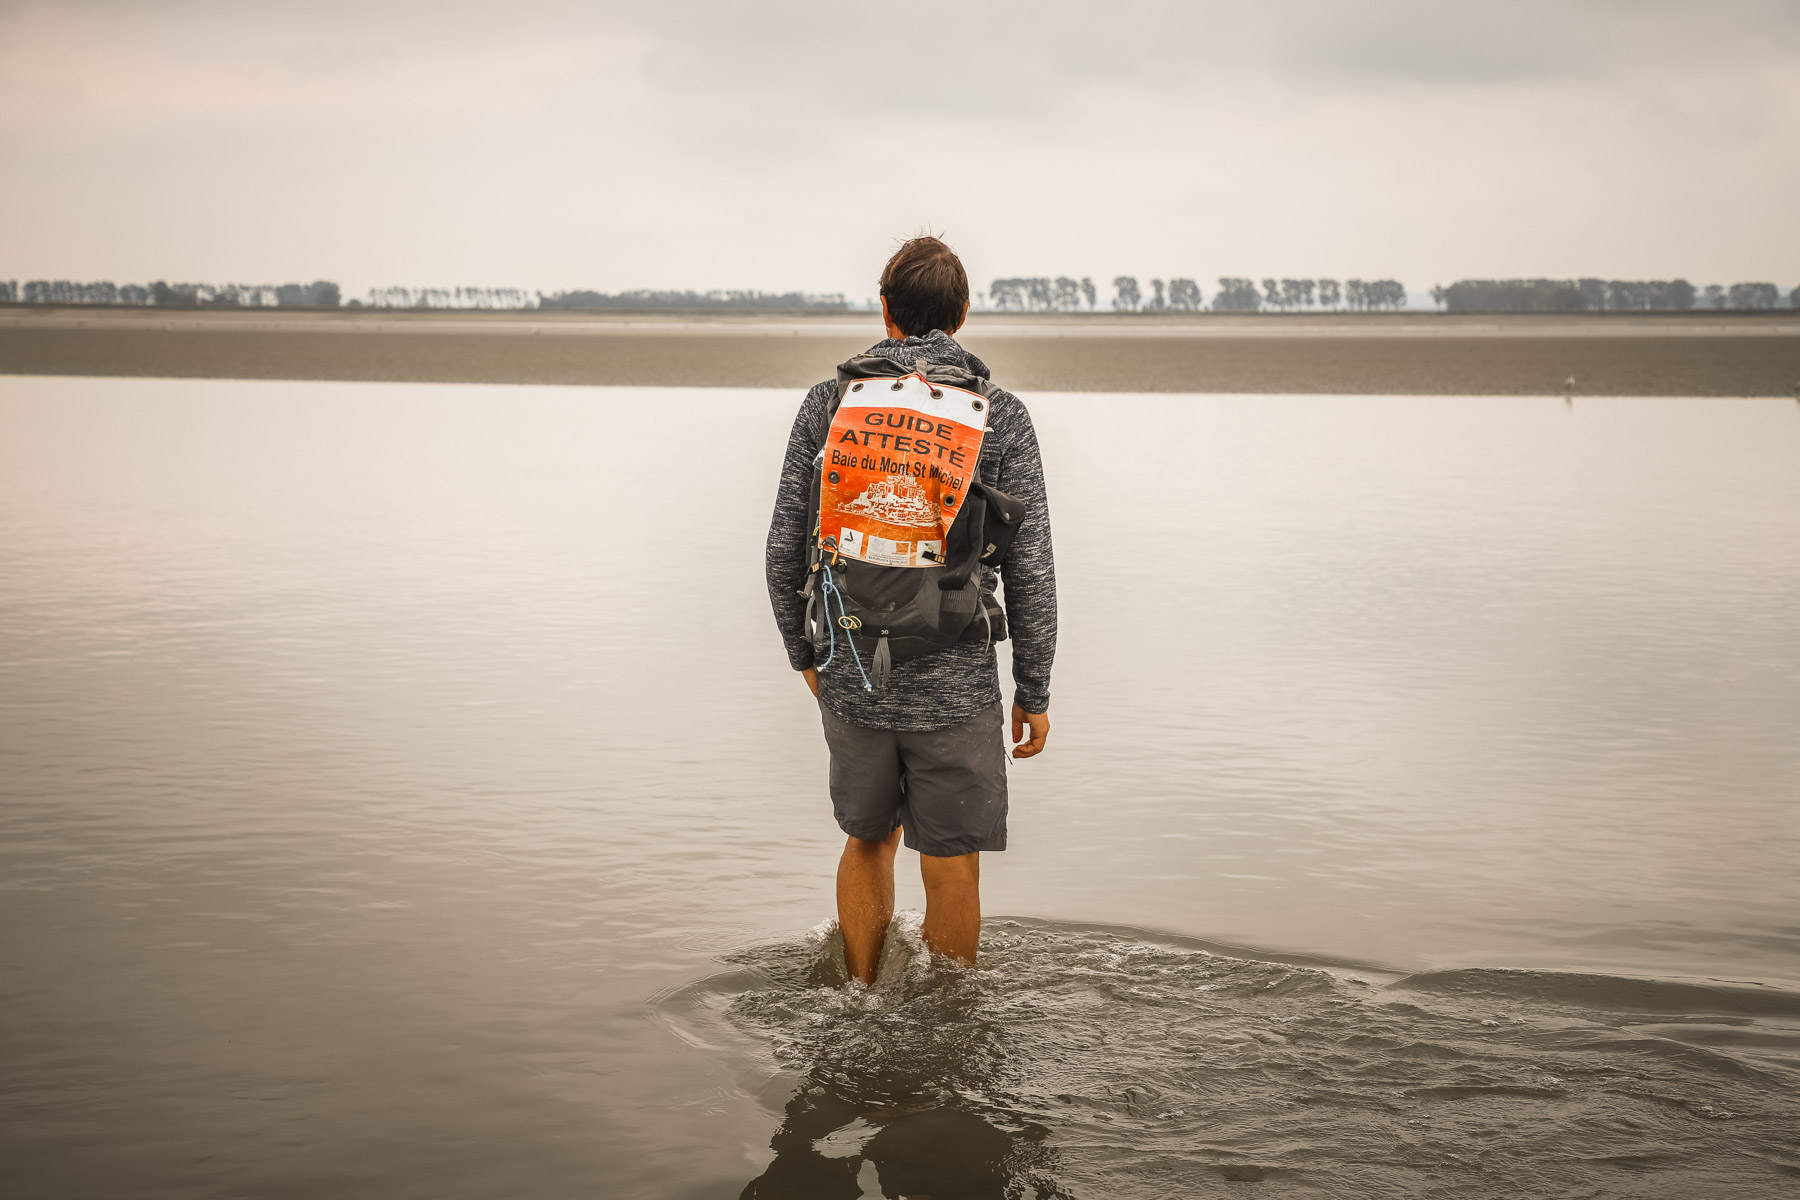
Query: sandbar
(1696, 354)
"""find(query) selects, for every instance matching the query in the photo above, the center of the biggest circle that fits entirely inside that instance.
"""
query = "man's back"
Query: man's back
(917, 744)
(951, 685)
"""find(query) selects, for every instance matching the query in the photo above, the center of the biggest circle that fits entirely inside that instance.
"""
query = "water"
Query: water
(1107, 1062)
(404, 793)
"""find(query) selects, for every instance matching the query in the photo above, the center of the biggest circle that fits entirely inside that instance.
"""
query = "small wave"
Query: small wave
(1089, 1060)
(1609, 992)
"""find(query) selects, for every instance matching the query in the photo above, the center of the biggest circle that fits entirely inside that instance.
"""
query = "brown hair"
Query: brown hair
(925, 287)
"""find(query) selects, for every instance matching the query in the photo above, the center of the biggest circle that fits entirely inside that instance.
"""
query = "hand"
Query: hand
(812, 680)
(1040, 730)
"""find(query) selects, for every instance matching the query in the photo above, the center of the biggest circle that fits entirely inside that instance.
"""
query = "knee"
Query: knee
(872, 848)
(962, 871)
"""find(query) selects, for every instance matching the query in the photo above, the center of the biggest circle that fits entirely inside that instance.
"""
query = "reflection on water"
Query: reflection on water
(904, 1080)
(369, 755)
(834, 1137)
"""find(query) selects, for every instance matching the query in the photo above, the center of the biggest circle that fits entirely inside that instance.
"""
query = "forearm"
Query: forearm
(1029, 573)
(789, 607)
(784, 554)
(784, 569)
(1030, 583)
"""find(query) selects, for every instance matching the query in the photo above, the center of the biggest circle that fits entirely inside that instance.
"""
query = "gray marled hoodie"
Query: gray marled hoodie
(951, 685)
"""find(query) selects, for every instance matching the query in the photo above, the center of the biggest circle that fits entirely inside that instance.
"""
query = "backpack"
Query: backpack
(900, 521)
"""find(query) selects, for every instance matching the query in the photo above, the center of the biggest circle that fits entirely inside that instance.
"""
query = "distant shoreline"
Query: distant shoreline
(1707, 353)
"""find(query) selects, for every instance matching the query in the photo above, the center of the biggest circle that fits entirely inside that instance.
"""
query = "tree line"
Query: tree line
(644, 298)
(1043, 294)
(1605, 295)
(1033, 294)
(1291, 295)
(325, 294)
(462, 297)
(1063, 294)
(320, 293)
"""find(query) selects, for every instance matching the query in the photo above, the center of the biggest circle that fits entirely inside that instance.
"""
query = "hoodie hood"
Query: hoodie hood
(936, 347)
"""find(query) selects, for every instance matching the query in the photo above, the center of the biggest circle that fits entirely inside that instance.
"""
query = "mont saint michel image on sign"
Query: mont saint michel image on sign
(896, 500)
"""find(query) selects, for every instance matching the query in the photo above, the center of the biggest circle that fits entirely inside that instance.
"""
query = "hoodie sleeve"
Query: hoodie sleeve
(784, 555)
(1029, 573)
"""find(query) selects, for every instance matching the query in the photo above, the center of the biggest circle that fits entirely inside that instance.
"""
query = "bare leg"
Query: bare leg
(952, 905)
(865, 897)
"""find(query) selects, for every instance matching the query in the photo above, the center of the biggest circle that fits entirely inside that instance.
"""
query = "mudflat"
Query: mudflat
(1696, 354)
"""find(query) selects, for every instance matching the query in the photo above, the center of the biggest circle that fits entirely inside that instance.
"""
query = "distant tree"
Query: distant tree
(1438, 295)
(1087, 292)
(1558, 295)
(323, 294)
(1184, 294)
(1296, 293)
(65, 291)
(638, 299)
(9, 291)
(1329, 293)
(1068, 294)
(1511, 295)
(1272, 293)
(1753, 295)
(180, 296)
(1236, 295)
(1126, 296)
(1037, 294)
(1794, 297)
(1355, 295)
(1715, 296)
(1157, 303)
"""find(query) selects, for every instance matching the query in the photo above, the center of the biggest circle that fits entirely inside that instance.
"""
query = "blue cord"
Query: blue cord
(831, 590)
(830, 629)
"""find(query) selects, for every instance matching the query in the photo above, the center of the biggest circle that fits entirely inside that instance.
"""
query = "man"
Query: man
(923, 756)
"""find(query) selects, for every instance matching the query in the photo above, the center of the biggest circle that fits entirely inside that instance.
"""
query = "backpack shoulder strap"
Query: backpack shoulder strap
(874, 366)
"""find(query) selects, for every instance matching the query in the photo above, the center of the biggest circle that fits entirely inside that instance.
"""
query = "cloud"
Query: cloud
(783, 144)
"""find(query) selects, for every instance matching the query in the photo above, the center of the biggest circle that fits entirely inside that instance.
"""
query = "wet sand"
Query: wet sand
(1402, 354)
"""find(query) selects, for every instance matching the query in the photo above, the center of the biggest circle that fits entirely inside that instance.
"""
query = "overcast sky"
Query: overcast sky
(788, 145)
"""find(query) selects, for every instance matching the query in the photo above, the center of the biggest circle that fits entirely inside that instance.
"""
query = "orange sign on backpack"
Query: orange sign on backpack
(898, 461)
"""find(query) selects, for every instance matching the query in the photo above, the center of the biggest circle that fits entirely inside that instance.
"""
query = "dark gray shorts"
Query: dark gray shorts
(947, 788)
